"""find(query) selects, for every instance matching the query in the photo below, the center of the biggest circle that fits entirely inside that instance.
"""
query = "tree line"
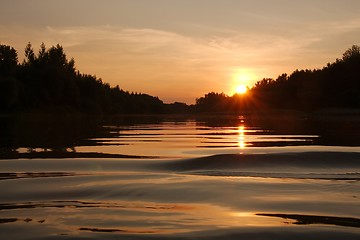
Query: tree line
(48, 82)
(337, 85)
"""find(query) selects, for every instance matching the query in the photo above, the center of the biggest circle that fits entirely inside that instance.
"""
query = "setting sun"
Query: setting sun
(241, 89)
(241, 79)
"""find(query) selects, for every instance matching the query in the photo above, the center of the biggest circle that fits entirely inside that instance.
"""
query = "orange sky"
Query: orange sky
(180, 50)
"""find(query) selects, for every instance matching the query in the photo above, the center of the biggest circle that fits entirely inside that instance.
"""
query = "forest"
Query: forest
(337, 86)
(48, 82)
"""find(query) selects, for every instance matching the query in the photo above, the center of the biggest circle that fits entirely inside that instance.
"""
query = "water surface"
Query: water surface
(274, 177)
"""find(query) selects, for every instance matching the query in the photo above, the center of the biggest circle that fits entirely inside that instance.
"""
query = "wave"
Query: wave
(299, 175)
(316, 165)
(305, 165)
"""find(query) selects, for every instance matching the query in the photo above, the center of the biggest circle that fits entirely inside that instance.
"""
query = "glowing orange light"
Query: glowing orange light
(241, 78)
(241, 89)
(241, 137)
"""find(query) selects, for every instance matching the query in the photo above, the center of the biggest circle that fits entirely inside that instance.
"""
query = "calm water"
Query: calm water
(233, 177)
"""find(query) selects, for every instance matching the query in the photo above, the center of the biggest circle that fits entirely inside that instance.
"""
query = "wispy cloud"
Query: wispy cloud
(138, 58)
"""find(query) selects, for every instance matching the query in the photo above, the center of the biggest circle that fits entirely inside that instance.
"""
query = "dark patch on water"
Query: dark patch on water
(6, 176)
(82, 204)
(109, 230)
(13, 220)
(65, 154)
(8, 220)
(312, 219)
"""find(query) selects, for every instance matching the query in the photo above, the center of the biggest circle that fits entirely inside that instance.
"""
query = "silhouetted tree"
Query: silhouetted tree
(353, 52)
(212, 102)
(8, 60)
(9, 86)
(335, 86)
(49, 82)
(29, 54)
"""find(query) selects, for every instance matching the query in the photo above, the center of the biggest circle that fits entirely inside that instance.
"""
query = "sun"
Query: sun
(241, 89)
(241, 79)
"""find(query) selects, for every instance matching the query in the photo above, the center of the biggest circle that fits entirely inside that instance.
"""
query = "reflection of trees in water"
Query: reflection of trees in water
(58, 134)
(39, 136)
(54, 134)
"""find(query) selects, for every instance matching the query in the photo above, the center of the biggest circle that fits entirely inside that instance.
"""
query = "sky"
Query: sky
(180, 50)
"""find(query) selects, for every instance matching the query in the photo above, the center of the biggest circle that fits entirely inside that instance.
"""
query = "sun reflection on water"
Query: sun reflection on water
(241, 136)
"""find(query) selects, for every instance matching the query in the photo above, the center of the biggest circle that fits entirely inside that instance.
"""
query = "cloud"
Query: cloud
(154, 61)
